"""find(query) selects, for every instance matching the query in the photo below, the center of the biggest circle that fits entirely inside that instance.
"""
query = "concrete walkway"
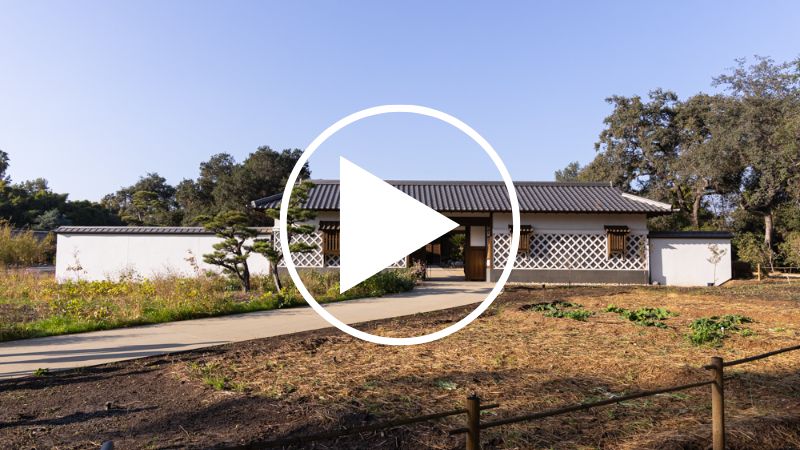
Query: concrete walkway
(18, 358)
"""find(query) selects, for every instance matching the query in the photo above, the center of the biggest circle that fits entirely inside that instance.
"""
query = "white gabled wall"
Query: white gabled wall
(108, 256)
(685, 262)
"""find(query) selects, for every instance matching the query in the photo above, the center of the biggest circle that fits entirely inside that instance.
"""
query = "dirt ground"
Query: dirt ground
(512, 355)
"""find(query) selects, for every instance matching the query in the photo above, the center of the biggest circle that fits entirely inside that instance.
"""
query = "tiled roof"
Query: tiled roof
(691, 234)
(487, 196)
(138, 230)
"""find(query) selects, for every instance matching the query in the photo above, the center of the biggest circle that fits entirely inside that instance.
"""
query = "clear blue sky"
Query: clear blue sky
(94, 94)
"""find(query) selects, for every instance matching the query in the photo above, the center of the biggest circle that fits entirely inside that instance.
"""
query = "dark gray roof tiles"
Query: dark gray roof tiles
(138, 230)
(691, 234)
(487, 196)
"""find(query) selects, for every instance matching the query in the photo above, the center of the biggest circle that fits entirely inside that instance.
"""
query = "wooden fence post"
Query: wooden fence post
(473, 422)
(758, 269)
(718, 404)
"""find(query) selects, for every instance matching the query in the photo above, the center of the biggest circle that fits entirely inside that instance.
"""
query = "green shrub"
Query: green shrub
(646, 316)
(712, 330)
(561, 310)
(575, 314)
(23, 248)
(750, 247)
(551, 306)
(790, 249)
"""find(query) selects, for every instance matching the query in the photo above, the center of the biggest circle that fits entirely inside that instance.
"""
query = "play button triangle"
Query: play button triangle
(379, 224)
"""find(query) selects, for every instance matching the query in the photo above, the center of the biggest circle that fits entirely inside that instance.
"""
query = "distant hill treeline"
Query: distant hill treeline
(222, 185)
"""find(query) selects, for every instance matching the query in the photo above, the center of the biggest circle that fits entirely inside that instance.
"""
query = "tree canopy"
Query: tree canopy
(225, 185)
(33, 204)
(729, 160)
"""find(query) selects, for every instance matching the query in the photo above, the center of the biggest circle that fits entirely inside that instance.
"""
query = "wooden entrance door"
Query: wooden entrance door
(475, 253)
(475, 264)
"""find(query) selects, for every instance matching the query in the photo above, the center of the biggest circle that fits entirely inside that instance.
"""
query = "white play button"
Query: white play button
(380, 225)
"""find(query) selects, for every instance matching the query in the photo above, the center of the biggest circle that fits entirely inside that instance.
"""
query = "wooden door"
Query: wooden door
(475, 264)
(475, 253)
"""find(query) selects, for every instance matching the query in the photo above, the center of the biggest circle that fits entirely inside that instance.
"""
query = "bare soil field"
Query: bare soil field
(525, 357)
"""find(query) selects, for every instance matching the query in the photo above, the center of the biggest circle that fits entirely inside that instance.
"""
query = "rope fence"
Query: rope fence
(473, 409)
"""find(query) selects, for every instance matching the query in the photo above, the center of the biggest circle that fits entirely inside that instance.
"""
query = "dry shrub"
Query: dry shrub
(23, 248)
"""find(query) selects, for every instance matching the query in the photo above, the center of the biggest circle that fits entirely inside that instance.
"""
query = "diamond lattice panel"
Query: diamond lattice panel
(399, 264)
(334, 261)
(573, 251)
(310, 259)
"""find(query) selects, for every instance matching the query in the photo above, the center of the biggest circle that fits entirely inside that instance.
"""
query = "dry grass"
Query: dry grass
(529, 362)
(35, 305)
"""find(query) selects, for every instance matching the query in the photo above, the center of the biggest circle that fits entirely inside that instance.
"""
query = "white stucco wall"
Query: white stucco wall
(685, 262)
(108, 256)
(575, 223)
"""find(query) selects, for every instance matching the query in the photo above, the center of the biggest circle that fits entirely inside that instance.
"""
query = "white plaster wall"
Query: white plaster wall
(684, 262)
(107, 256)
(574, 223)
(324, 216)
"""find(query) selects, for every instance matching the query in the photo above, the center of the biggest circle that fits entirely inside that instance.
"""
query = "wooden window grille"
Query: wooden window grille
(330, 238)
(616, 236)
(525, 232)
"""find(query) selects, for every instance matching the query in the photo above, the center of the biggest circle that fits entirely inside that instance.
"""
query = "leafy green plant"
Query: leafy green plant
(712, 330)
(561, 310)
(41, 372)
(575, 314)
(645, 316)
(551, 306)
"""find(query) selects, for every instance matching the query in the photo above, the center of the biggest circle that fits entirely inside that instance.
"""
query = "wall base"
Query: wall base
(575, 276)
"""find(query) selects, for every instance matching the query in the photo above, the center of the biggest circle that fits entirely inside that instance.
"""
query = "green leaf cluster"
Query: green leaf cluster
(645, 316)
(712, 330)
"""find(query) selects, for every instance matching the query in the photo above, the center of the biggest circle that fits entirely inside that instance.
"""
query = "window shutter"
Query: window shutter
(616, 236)
(330, 237)
(525, 232)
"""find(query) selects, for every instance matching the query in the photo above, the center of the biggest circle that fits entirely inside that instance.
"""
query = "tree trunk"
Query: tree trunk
(696, 211)
(768, 229)
(768, 238)
(245, 277)
(275, 275)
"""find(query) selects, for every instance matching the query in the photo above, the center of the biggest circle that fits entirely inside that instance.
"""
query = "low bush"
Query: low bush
(24, 249)
(646, 316)
(712, 330)
(561, 310)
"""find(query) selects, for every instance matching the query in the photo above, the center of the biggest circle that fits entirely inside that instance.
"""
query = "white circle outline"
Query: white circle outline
(423, 111)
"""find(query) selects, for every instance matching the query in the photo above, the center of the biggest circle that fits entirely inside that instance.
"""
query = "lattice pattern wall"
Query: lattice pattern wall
(557, 251)
(333, 261)
(310, 259)
(316, 258)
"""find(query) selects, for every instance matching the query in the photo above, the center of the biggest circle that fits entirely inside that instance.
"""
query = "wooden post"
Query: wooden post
(718, 404)
(473, 422)
(758, 269)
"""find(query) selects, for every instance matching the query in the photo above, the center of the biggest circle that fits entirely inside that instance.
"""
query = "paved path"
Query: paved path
(18, 358)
